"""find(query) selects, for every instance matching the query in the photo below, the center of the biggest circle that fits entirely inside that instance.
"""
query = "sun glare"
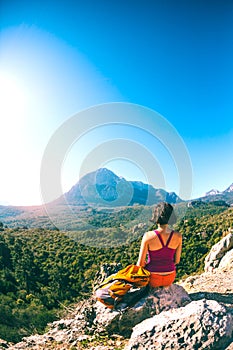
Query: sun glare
(12, 98)
(13, 117)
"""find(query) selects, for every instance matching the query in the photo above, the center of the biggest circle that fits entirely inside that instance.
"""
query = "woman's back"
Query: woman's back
(154, 242)
(162, 258)
(162, 247)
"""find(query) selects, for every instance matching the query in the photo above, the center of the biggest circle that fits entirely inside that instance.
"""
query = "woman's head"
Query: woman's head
(163, 214)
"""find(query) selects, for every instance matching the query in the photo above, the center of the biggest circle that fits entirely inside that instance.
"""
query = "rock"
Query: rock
(226, 262)
(3, 343)
(216, 253)
(203, 324)
(219, 282)
(93, 318)
(65, 331)
(157, 300)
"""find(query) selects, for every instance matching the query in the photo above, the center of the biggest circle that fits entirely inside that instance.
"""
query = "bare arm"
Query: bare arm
(143, 251)
(178, 252)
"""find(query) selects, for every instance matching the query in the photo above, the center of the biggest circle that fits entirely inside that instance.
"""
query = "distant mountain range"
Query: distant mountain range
(214, 192)
(96, 190)
(216, 195)
(104, 188)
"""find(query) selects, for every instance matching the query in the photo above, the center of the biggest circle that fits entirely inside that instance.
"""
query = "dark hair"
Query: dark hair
(163, 214)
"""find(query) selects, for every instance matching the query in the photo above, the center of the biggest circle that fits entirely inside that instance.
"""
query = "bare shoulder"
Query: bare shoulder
(178, 234)
(148, 235)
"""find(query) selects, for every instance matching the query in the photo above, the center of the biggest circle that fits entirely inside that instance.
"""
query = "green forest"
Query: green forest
(44, 271)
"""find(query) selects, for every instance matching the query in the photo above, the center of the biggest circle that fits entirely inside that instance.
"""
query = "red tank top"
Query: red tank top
(161, 260)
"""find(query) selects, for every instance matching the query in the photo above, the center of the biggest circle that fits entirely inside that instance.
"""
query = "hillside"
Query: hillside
(43, 271)
(166, 318)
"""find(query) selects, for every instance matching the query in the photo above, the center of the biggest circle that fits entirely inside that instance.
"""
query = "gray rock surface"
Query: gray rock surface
(217, 252)
(226, 262)
(203, 324)
(91, 318)
(157, 300)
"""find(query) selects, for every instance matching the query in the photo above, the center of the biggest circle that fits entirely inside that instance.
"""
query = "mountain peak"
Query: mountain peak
(103, 187)
(104, 171)
(229, 189)
(101, 175)
(212, 192)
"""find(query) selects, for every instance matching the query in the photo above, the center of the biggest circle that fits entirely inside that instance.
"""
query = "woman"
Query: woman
(162, 246)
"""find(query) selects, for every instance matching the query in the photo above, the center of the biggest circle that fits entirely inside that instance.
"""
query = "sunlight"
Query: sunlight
(13, 99)
(13, 118)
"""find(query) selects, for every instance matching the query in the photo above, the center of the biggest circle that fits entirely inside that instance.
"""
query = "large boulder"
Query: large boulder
(156, 301)
(202, 324)
(216, 253)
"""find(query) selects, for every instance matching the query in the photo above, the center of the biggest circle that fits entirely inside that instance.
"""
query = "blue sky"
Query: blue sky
(60, 57)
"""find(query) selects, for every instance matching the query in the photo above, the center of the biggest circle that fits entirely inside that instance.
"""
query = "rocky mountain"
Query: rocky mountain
(104, 188)
(212, 192)
(216, 195)
(229, 189)
(99, 190)
(196, 313)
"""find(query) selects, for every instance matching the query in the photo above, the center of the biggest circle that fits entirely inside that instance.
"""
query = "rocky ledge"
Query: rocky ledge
(203, 324)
